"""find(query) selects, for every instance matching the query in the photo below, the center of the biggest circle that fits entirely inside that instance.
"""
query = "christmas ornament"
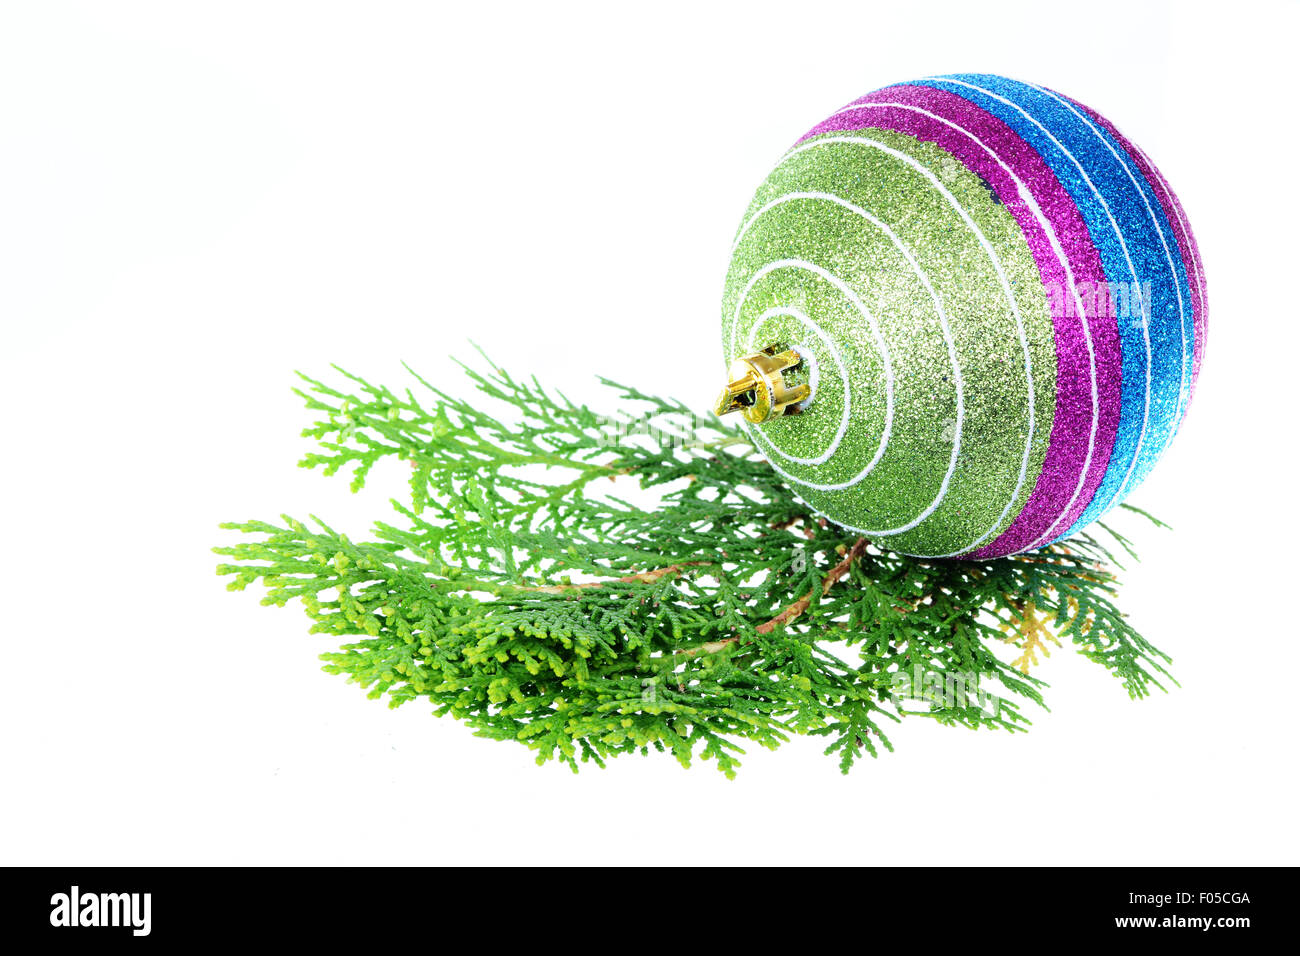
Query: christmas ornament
(964, 317)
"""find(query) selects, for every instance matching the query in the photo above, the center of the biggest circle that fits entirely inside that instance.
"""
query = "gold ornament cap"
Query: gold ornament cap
(757, 387)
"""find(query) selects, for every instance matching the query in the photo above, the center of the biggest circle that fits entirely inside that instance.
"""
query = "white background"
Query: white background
(197, 199)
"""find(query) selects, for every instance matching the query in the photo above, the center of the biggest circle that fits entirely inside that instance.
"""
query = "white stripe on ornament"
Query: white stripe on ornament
(1046, 224)
(1146, 335)
(1169, 259)
(943, 325)
(1191, 261)
(833, 349)
(882, 348)
(1006, 288)
(1192, 256)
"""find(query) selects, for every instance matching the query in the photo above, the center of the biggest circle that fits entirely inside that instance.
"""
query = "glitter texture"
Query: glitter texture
(1004, 303)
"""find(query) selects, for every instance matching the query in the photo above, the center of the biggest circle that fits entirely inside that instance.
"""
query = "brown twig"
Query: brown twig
(643, 577)
(801, 605)
(791, 612)
(712, 647)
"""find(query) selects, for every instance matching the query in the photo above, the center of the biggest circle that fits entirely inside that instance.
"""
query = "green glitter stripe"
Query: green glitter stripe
(979, 317)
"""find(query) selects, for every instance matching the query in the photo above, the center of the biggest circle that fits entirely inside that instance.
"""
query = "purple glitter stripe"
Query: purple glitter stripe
(1181, 225)
(1068, 444)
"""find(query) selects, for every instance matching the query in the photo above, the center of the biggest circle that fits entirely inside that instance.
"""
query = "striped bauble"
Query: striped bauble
(998, 304)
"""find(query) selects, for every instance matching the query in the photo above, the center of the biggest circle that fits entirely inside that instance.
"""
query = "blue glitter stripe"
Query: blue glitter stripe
(1180, 276)
(1149, 263)
(1181, 267)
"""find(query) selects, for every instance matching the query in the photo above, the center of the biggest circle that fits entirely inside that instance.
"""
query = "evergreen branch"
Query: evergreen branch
(517, 592)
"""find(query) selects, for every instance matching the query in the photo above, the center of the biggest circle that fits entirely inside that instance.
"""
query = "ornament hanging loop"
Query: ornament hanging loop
(757, 387)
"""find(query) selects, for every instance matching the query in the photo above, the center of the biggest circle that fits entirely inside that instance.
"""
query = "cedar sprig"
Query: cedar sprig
(522, 592)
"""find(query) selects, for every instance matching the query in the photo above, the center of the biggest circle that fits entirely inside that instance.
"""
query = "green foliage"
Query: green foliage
(520, 592)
